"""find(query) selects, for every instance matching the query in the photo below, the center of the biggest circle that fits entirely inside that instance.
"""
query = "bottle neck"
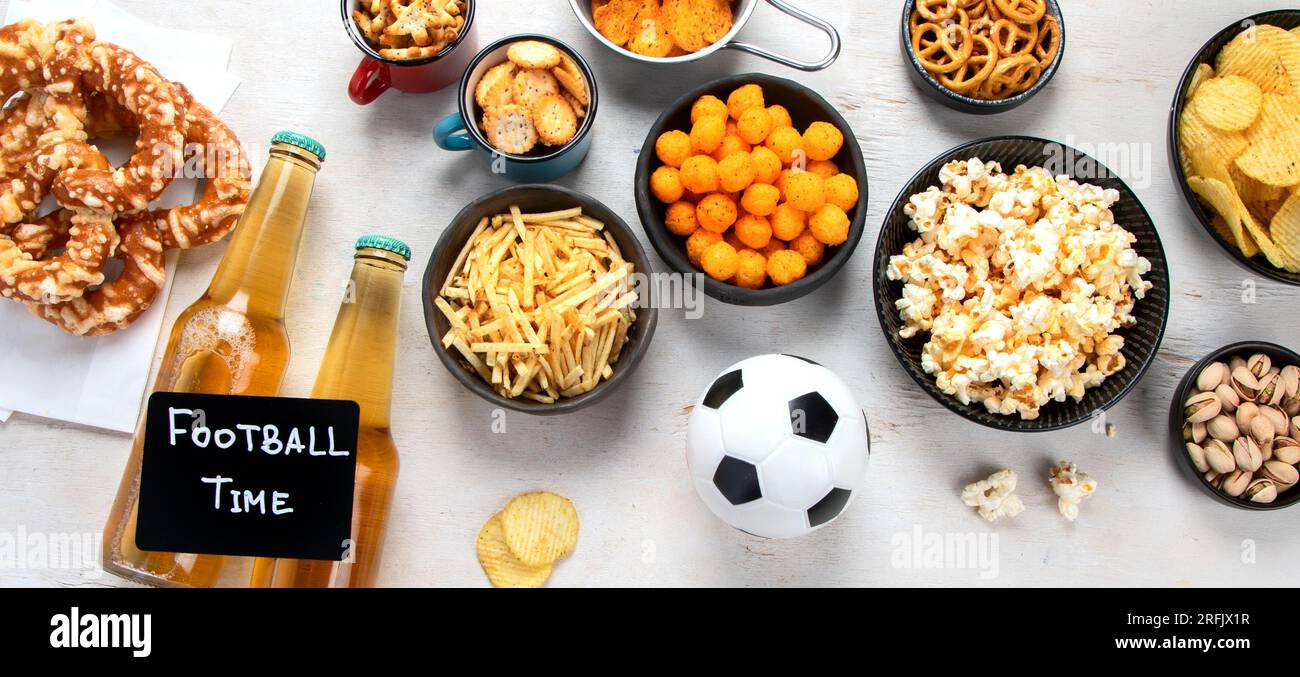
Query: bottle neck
(360, 359)
(256, 271)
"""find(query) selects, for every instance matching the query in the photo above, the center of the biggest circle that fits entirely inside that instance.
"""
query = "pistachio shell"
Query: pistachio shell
(1202, 407)
(1283, 474)
(1228, 398)
(1213, 376)
(1223, 428)
(1235, 483)
(1247, 455)
(1220, 457)
(1261, 430)
(1275, 416)
(1261, 491)
(1286, 450)
(1197, 454)
(1245, 383)
(1259, 364)
(1246, 413)
(1195, 432)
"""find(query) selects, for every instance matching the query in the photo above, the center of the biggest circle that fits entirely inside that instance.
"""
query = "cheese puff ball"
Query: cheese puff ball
(700, 174)
(699, 241)
(823, 168)
(785, 267)
(707, 134)
(805, 190)
(788, 222)
(743, 99)
(785, 142)
(720, 261)
(809, 248)
(754, 232)
(736, 172)
(755, 124)
(761, 199)
(842, 191)
(830, 225)
(731, 144)
(680, 219)
(673, 148)
(716, 212)
(751, 271)
(822, 141)
(767, 166)
(666, 183)
(772, 247)
(780, 116)
(708, 106)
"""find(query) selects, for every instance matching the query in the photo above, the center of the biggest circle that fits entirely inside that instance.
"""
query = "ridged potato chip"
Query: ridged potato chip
(503, 569)
(1287, 49)
(1285, 230)
(1230, 102)
(1224, 200)
(541, 528)
(1203, 72)
(1250, 58)
(1208, 151)
(1273, 156)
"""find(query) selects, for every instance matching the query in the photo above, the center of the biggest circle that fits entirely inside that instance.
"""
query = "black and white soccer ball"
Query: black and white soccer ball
(778, 446)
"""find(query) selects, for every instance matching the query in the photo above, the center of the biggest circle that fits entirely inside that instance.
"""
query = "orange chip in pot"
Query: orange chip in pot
(616, 20)
(650, 34)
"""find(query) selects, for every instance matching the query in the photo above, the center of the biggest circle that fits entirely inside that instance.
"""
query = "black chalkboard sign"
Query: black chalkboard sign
(248, 476)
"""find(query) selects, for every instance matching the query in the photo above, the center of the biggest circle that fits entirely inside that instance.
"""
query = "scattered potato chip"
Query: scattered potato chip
(541, 528)
(503, 569)
(1230, 103)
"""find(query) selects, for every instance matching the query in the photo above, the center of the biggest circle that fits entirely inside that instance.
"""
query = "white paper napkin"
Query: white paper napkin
(100, 382)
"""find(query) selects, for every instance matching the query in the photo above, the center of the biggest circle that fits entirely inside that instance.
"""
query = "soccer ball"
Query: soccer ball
(777, 446)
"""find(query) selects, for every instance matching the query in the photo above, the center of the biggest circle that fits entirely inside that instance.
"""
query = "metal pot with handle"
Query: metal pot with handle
(742, 10)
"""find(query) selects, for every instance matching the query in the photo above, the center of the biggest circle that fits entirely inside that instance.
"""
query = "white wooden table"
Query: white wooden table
(622, 462)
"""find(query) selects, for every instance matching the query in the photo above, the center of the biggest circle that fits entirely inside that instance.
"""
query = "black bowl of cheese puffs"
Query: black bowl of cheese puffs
(757, 184)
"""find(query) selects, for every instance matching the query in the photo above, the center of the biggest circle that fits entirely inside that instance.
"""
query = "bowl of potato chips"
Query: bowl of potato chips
(1234, 141)
(681, 31)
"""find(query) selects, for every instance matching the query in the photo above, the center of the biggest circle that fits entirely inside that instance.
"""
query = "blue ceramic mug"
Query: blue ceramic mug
(460, 131)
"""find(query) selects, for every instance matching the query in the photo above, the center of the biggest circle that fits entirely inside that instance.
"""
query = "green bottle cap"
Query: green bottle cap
(304, 142)
(385, 243)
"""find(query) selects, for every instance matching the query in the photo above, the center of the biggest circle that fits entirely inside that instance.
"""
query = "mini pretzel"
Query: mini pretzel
(936, 11)
(1013, 38)
(941, 53)
(968, 79)
(159, 113)
(116, 304)
(1048, 44)
(1012, 75)
(1022, 11)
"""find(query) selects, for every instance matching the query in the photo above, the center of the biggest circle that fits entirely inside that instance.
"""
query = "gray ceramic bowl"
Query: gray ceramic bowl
(1177, 419)
(534, 198)
(935, 90)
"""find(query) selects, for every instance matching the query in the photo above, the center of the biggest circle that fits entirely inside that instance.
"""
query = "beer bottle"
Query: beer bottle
(358, 366)
(232, 341)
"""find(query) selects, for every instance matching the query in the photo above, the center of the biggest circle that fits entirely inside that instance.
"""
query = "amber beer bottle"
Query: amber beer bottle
(358, 366)
(232, 341)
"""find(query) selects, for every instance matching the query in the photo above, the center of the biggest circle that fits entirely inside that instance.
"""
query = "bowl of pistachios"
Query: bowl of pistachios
(1235, 423)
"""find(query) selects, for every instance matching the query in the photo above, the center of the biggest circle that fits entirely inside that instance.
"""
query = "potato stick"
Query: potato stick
(517, 218)
(507, 348)
(544, 399)
(564, 215)
(590, 222)
(449, 313)
(464, 252)
(470, 357)
(530, 260)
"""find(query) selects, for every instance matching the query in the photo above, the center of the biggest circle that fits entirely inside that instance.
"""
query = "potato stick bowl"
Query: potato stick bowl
(548, 338)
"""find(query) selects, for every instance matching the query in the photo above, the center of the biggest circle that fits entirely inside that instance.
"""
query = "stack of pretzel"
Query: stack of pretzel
(63, 89)
(985, 49)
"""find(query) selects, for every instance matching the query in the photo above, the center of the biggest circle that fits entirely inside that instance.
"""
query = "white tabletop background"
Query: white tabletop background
(622, 461)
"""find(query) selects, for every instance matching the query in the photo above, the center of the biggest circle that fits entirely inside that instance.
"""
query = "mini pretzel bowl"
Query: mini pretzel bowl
(1288, 19)
(960, 102)
(534, 198)
(806, 107)
(1141, 341)
(1177, 418)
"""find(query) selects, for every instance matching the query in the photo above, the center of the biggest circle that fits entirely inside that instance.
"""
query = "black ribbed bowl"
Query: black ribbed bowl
(1140, 341)
(1286, 18)
(1177, 419)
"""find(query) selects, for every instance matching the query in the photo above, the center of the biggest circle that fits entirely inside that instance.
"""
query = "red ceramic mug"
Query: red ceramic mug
(377, 75)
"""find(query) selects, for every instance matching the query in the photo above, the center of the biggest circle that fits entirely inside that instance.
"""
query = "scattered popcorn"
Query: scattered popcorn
(1072, 488)
(995, 497)
(1021, 281)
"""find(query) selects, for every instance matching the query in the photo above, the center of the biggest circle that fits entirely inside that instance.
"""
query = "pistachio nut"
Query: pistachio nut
(1245, 383)
(1197, 454)
(1246, 413)
(1269, 391)
(1295, 428)
(1286, 450)
(1291, 381)
(1223, 427)
(1266, 450)
(1247, 454)
(1284, 475)
(1213, 376)
(1275, 416)
(1219, 457)
(1228, 398)
(1195, 432)
(1236, 482)
(1202, 407)
(1291, 406)
(1261, 491)
(1235, 362)
(1259, 364)
(1261, 430)
(1215, 479)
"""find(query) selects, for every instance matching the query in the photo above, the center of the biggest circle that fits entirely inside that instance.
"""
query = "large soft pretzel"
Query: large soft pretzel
(159, 112)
